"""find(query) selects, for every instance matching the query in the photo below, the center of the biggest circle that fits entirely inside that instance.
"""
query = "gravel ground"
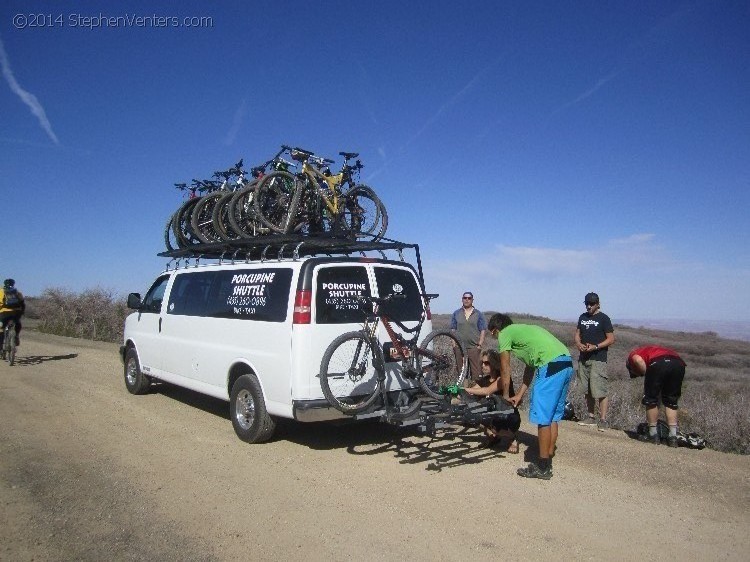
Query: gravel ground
(89, 472)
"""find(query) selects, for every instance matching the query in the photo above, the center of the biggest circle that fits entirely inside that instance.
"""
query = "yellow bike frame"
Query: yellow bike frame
(333, 182)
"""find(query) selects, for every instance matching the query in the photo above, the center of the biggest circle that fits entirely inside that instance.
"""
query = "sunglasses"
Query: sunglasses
(467, 298)
(485, 362)
(588, 304)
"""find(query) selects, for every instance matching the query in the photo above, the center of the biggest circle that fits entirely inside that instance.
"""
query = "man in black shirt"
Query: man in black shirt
(594, 334)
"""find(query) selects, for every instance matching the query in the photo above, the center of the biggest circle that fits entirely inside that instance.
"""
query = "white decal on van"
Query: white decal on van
(398, 289)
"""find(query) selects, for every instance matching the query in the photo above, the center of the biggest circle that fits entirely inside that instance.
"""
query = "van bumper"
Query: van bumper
(316, 410)
(321, 410)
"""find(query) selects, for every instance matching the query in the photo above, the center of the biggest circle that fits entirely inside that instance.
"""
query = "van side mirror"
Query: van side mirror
(134, 301)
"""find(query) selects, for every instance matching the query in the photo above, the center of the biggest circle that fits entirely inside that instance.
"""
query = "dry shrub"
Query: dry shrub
(95, 314)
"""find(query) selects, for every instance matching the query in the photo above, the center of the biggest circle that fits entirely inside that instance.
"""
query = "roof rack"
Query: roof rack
(282, 246)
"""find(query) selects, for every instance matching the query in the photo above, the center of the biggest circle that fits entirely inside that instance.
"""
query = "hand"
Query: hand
(514, 400)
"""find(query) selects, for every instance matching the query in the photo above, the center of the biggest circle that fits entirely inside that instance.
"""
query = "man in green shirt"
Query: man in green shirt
(549, 369)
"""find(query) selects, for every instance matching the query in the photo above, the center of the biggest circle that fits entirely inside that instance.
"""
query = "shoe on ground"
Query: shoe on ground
(646, 438)
(18, 341)
(534, 471)
(672, 441)
(588, 420)
(602, 425)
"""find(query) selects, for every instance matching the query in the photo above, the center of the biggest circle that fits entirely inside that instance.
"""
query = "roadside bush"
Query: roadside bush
(95, 314)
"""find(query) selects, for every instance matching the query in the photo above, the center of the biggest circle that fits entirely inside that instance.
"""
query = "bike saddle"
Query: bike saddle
(349, 155)
(300, 155)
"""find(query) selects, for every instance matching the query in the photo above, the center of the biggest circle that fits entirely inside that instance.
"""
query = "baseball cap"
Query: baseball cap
(591, 298)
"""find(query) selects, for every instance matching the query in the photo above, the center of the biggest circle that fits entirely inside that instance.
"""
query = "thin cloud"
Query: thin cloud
(237, 121)
(640, 238)
(26, 97)
(545, 260)
(591, 91)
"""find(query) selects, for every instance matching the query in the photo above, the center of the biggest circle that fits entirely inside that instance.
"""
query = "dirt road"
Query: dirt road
(89, 472)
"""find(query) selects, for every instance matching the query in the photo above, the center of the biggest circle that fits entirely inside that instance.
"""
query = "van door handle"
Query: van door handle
(160, 325)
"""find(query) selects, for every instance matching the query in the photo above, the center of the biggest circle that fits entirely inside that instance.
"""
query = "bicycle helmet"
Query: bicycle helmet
(9, 282)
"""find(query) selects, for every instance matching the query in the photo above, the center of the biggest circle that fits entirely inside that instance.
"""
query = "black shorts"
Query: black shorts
(5, 316)
(663, 378)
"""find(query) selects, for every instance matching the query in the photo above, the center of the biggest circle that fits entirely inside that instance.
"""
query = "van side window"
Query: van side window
(189, 293)
(251, 294)
(394, 280)
(155, 295)
(335, 294)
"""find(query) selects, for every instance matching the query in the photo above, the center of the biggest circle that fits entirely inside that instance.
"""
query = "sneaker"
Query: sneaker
(589, 421)
(672, 441)
(533, 471)
(602, 425)
(646, 438)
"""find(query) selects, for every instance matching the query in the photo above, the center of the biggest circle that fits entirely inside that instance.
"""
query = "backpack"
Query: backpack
(689, 440)
(11, 298)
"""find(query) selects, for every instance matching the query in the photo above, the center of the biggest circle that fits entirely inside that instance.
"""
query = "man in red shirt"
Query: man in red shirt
(664, 371)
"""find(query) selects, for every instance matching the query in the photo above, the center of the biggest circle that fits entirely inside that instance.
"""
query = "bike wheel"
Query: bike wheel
(351, 373)
(181, 227)
(220, 218)
(241, 215)
(9, 344)
(274, 201)
(442, 363)
(170, 240)
(201, 219)
(364, 213)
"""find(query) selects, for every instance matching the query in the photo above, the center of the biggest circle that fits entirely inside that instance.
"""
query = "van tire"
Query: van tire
(247, 409)
(135, 381)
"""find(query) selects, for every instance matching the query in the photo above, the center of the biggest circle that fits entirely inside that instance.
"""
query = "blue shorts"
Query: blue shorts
(549, 391)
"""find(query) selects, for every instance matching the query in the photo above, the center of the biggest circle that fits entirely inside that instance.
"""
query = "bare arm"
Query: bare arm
(528, 373)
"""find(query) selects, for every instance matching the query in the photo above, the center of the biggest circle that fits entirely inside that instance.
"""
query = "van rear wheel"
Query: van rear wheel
(250, 419)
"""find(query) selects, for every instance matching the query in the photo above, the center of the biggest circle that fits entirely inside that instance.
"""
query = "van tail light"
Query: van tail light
(302, 309)
(427, 311)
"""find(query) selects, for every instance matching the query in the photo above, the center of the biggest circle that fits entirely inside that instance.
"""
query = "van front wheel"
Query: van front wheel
(250, 419)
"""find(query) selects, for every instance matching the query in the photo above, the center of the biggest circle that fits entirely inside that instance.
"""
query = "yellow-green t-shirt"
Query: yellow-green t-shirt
(533, 345)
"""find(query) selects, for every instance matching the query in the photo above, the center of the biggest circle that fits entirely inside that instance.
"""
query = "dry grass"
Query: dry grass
(715, 399)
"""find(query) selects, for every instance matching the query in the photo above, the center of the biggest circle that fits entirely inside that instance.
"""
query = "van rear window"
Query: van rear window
(392, 280)
(249, 294)
(336, 294)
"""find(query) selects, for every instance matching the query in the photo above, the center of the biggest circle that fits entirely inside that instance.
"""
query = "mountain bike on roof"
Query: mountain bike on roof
(353, 369)
(202, 217)
(182, 234)
(315, 201)
(241, 209)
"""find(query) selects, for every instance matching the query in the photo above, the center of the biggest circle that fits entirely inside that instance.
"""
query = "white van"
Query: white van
(254, 333)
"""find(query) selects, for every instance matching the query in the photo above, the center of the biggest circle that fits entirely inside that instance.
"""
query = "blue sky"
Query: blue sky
(535, 150)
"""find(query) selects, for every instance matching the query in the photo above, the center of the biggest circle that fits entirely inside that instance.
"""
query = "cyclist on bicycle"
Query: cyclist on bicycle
(12, 306)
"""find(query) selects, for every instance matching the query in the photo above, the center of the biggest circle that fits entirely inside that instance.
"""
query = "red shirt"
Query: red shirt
(651, 352)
